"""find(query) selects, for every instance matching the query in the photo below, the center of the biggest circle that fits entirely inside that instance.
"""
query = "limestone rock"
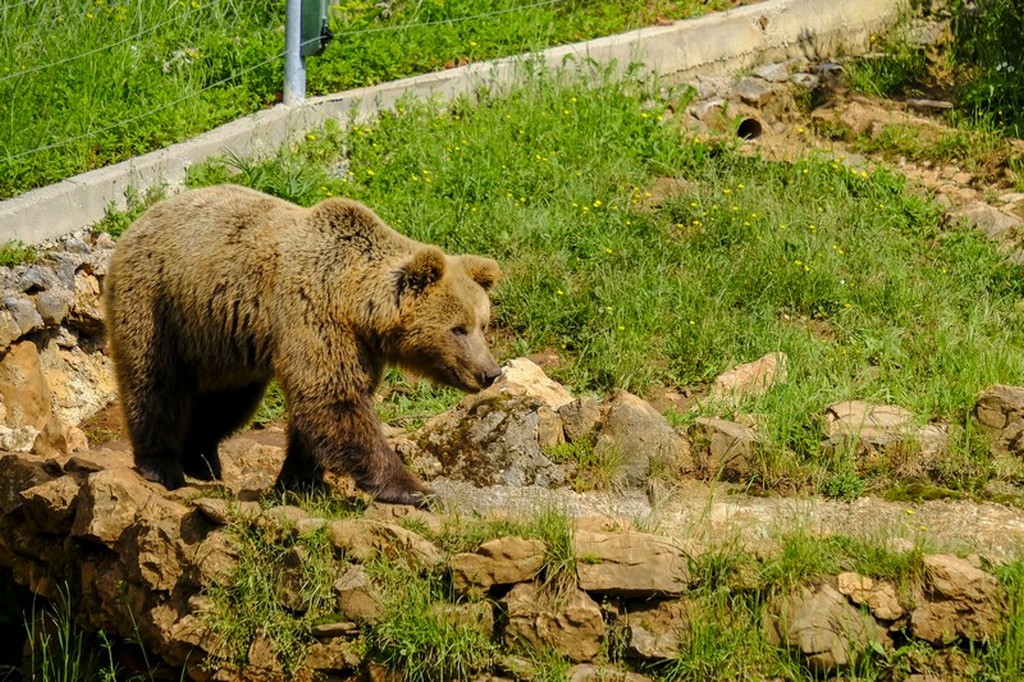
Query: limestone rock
(587, 672)
(962, 601)
(403, 514)
(18, 438)
(10, 330)
(222, 511)
(654, 631)
(332, 656)
(24, 312)
(572, 625)
(109, 502)
(290, 579)
(81, 383)
(521, 377)
(342, 628)
(53, 306)
(994, 223)
(884, 436)
(361, 540)
(51, 505)
(250, 465)
(776, 72)
(728, 451)
(579, 418)
(25, 394)
(503, 561)
(751, 379)
(86, 313)
(20, 472)
(636, 435)
(879, 596)
(492, 441)
(821, 624)
(216, 558)
(630, 564)
(357, 597)
(1000, 412)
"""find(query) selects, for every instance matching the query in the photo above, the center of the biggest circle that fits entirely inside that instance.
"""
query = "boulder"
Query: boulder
(357, 596)
(884, 437)
(25, 396)
(361, 540)
(502, 561)
(495, 440)
(630, 564)
(727, 450)
(1000, 413)
(992, 222)
(960, 601)
(654, 631)
(588, 672)
(580, 418)
(879, 596)
(570, 625)
(751, 379)
(823, 626)
(640, 441)
(50, 506)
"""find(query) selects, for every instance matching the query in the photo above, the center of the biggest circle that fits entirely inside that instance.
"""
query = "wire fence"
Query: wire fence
(58, 97)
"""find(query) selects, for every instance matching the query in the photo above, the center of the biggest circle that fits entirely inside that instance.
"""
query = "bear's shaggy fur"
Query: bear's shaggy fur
(211, 293)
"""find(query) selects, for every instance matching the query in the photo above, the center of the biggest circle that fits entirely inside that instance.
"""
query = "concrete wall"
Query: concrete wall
(727, 42)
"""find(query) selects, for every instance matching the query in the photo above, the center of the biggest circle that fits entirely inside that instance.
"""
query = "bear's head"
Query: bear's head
(444, 310)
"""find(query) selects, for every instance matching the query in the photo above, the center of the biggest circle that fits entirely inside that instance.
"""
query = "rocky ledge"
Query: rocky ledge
(141, 562)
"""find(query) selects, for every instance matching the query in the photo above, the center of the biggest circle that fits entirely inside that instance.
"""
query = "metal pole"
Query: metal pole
(294, 65)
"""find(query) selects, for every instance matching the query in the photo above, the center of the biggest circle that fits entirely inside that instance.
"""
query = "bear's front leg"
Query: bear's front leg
(346, 437)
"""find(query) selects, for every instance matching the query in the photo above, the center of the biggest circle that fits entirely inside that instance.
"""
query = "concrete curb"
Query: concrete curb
(727, 42)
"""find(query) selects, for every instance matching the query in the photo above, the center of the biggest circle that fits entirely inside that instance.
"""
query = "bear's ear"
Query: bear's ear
(484, 271)
(423, 269)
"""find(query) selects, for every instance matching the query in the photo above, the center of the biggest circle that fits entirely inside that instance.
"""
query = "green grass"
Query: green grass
(85, 84)
(731, 592)
(848, 272)
(986, 53)
(16, 253)
(254, 602)
(414, 636)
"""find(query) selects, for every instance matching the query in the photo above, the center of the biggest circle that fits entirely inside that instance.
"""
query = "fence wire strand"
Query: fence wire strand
(224, 81)
(43, 67)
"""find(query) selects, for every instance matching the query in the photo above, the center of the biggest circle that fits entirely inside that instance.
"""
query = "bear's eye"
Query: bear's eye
(459, 330)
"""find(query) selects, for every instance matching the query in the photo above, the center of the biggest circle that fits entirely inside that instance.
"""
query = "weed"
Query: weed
(1003, 659)
(279, 588)
(16, 253)
(117, 220)
(895, 68)
(986, 52)
(595, 469)
(273, 406)
(58, 649)
(416, 633)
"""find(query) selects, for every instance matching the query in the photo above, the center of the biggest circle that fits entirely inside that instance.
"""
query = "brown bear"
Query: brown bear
(213, 292)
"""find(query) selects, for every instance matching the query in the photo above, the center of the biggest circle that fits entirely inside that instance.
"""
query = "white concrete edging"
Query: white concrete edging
(726, 42)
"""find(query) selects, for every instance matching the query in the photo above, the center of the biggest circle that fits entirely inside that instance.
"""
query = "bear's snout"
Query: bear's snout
(488, 377)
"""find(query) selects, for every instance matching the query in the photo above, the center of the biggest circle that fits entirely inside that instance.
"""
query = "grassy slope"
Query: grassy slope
(852, 276)
(85, 84)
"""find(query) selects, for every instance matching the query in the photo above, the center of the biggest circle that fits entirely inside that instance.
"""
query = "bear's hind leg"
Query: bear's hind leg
(215, 416)
(157, 414)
